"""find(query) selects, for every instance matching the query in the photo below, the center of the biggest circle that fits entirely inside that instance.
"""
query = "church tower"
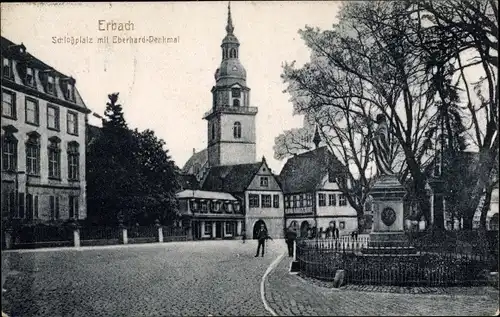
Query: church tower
(231, 121)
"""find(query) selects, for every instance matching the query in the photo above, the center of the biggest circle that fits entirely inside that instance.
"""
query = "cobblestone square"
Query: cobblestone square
(218, 278)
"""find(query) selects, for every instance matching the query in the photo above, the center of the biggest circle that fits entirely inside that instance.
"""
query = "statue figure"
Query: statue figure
(382, 147)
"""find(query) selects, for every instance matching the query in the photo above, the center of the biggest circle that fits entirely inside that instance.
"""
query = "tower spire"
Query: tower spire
(229, 26)
(317, 137)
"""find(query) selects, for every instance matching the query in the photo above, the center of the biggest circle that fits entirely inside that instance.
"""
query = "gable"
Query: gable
(264, 172)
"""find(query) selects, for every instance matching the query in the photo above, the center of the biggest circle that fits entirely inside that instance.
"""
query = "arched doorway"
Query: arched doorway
(304, 228)
(256, 227)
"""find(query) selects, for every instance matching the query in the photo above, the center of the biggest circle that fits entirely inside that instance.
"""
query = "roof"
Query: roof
(231, 178)
(304, 172)
(189, 193)
(197, 158)
(19, 53)
(188, 181)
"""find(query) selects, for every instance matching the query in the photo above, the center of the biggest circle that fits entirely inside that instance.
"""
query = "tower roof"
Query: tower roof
(230, 71)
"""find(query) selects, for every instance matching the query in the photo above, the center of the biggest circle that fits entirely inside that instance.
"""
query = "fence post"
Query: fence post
(160, 230)
(295, 250)
(8, 238)
(123, 229)
(76, 236)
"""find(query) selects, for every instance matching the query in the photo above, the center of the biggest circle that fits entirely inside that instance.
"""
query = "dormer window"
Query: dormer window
(30, 77)
(70, 91)
(50, 84)
(7, 68)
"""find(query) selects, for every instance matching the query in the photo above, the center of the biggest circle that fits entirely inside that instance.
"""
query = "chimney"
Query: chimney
(194, 150)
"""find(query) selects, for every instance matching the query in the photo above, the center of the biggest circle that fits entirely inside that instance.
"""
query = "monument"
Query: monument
(388, 223)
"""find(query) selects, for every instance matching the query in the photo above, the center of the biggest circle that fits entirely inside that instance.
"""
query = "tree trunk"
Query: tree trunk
(485, 208)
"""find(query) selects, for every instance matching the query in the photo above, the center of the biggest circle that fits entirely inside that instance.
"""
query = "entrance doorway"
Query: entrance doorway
(304, 228)
(256, 227)
(218, 230)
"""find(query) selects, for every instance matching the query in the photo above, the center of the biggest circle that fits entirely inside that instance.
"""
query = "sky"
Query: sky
(166, 87)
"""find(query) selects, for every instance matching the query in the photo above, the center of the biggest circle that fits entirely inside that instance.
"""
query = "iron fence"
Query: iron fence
(393, 265)
(41, 236)
(99, 235)
(175, 234)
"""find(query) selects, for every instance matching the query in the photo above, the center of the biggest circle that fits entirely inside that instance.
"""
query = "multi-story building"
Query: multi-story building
(43, 140)
(312, 196)
(228, 168)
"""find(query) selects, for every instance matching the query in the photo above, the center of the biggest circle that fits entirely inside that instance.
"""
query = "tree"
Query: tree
(449, 32)
(160, 175)
(130, 177)
(368, 55)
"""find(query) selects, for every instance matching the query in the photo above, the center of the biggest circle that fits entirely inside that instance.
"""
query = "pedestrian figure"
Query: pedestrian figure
(337, 233)
(290, 237)
(244, 235)
(262, 236)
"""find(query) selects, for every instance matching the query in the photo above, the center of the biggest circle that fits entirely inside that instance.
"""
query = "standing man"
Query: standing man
(290, 237)
(262, 236)
(244, 235)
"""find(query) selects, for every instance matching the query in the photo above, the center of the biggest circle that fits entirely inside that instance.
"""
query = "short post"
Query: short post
(76, 236)
(123, 229)
(8, 238)
(160, 230)
(124, 236)
(294, 250)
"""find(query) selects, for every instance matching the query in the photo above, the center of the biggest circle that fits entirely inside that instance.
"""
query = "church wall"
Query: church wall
(237, 153)
(247, 127)
(213, 155)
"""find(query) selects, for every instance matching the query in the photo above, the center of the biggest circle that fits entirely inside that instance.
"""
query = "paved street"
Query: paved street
(198, 279)
(184, 278)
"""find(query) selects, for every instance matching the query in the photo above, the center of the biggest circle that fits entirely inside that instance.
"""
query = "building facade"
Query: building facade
(43, 140)
(312, 197)
(228, 165)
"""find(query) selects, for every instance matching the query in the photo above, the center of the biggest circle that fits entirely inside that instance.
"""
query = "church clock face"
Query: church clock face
(388, 216)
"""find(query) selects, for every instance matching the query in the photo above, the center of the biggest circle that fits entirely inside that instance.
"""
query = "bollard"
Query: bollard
(76, 237)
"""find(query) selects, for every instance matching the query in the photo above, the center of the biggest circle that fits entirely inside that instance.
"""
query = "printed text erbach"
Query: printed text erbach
(104, 25)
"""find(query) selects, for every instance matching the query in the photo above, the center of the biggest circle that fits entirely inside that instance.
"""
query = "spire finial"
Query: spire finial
(317, 137)
(229, 26)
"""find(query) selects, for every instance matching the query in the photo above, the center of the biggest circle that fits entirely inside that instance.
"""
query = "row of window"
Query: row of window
(305, 200)
(264, 201)
(204, 206)
(332, 225)
(27, 206)
(48, 79)
(32, 113)
(230, 228)
(9, 156)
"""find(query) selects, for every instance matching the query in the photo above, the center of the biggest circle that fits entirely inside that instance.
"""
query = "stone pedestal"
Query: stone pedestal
(388, 220)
